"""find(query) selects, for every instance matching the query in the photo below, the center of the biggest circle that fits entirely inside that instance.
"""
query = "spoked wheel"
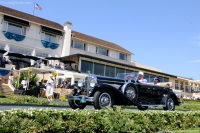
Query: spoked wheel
(75, 104)
(142, 107)
(103, 98)
(170, 104)
(131, 93)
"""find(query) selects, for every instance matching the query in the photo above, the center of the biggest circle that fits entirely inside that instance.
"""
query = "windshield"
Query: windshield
(127, 76)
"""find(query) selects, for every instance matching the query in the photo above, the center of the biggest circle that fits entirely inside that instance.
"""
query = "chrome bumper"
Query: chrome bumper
(78, 98)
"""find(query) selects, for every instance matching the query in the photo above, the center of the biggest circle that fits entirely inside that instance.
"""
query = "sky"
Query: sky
(160, 33)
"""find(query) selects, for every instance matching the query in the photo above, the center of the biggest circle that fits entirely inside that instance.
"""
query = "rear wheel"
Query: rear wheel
(75, 104)
(170, 104)
(142, 107)
(103, 98)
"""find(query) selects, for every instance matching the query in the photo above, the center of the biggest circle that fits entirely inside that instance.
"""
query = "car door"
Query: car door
(150, 94)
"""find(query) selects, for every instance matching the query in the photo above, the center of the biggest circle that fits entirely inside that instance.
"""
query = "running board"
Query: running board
(88, 99)
(162, 105)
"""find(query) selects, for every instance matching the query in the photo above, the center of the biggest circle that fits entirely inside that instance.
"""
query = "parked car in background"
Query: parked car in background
(125, 89)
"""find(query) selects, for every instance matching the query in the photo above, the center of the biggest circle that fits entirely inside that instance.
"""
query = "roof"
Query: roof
(29, 17)
(117, 63)
(99, 42)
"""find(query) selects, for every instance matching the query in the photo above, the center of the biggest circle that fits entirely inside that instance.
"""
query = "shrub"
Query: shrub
(63, 98)
(109, 121)
(33, 79)
(2, 95)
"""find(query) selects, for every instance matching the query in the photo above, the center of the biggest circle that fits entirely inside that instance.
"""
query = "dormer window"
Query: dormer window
(13, 28)
(50, 35)
(78, 45)
(122, 56)
(14, 25)
(102, 51)
(50, 38)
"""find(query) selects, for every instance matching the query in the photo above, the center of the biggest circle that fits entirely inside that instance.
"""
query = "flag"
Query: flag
(38, 7)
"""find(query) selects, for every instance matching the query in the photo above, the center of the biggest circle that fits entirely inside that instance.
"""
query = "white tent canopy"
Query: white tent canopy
(37, 70)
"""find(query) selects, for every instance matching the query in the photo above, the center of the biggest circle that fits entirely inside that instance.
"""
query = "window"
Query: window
(176, 85)
(165, 79)
(146, 76)
(151, 78)
(41, 54)
(50, 38)
(17, 29)
(99, 69)
(110, 71)
(129, 71)
(2, 47)
(86, 66)
(186, 87)
(122, 56)
(119, 70)
(102, 51)
(78, 45)
(20, 50)
(181, 86)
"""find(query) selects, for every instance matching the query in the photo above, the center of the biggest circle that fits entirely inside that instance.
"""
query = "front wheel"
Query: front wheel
(103, 98)
(75, 104)
(142, 107)
(170, 104)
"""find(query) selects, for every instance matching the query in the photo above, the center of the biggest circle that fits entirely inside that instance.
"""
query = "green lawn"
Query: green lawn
(187, 105)
(6, 100)
(24, 99)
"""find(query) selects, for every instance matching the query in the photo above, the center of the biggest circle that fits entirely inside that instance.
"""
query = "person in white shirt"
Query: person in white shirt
(141, 79)
(24, 83)
(50, 89)
(156, 81)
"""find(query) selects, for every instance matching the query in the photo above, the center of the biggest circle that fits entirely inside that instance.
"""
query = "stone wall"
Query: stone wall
(62, 91)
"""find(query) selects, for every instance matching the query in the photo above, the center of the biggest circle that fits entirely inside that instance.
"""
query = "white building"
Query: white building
(27, 34)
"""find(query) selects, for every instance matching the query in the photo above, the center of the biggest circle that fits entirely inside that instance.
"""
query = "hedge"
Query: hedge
(24, 99)
(105, 121)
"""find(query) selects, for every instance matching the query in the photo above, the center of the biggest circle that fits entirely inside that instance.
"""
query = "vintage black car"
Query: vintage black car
(125, 89)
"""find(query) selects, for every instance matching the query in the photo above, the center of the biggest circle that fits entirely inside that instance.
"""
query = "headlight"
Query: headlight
(81, 82)
(178, 95)
(93, 82)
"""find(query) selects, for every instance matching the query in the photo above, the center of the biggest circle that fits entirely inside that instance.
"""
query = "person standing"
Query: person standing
(24, 83)
(68, 85)
(63, 84)
(50, 88)
(3, 62)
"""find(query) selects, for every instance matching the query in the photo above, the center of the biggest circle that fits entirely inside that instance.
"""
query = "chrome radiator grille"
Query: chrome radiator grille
(87, 83)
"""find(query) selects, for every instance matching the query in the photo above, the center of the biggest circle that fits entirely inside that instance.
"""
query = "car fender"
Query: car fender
(172, 94)
(105, 86)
